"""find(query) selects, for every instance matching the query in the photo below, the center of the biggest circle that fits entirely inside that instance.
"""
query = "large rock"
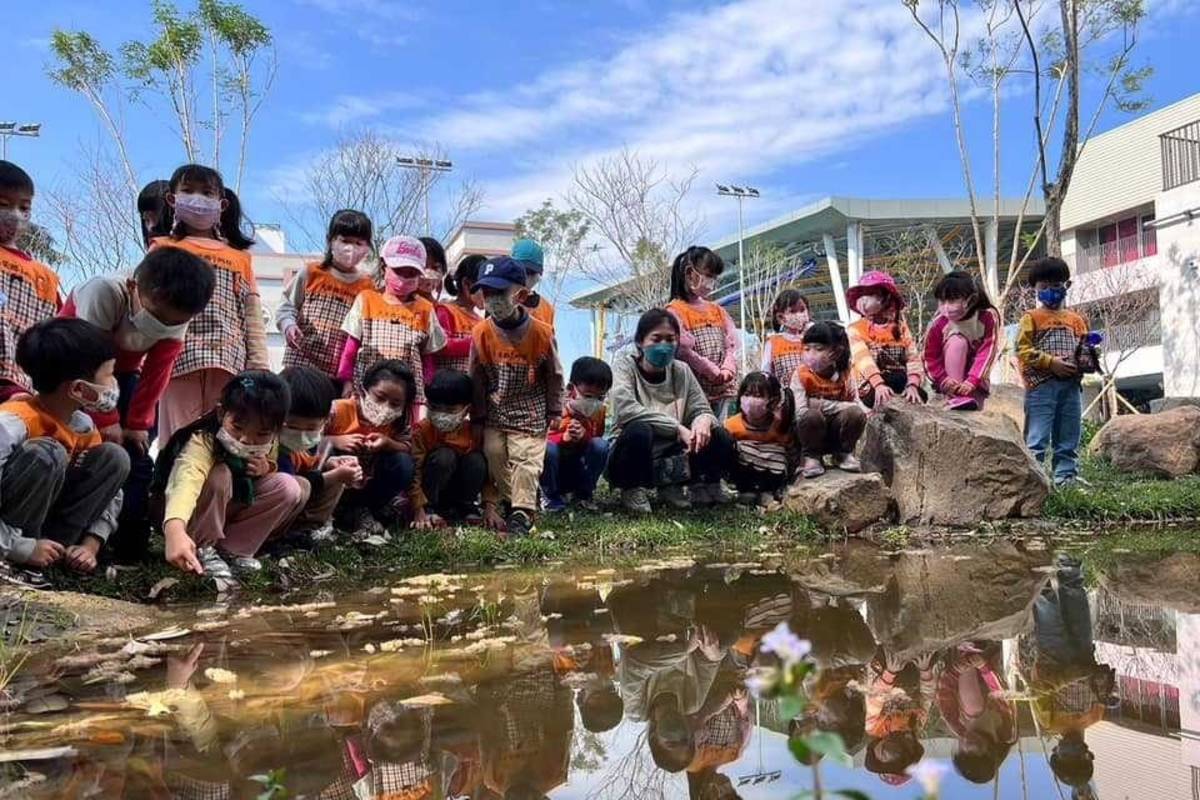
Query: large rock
(840, 501)
(953, 468)
(1009, 400)
(1167, 403)
(1166, 444)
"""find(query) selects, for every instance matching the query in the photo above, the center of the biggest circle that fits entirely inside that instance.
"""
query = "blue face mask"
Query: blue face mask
(659, 355)
(1052, 298)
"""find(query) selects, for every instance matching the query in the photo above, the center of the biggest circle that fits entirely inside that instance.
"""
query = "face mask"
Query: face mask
(300, 441)
(400, 285)
(817, 362)
(152, 328)
(532, 280)
(347, 256)
(105, 400)
(869, 305)
(239, 449)
(1052, 298)
(12, 224)
(587, 406)
(378, 413)
(447, 421)
(794, 320)
(755, 408)
(197, 211)
(700, 284)
(954, 311)
(500, 306)
(659, 355)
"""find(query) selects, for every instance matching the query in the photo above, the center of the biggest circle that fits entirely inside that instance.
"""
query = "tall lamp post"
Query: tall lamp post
(9, 129)
(741, 193)
(425, 166)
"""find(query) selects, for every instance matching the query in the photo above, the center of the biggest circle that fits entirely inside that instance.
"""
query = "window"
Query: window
(1149, 236)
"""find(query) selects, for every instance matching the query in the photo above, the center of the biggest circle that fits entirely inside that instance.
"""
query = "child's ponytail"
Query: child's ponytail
(468, 270)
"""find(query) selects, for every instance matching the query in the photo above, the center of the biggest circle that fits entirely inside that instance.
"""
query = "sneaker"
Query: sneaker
(25, 577)
(214, 565)
(718, 495)
(960, 403)
(587, 504)
(846, 462)
(520, 523)
(813, 468)
(636, 500)
(747, 498)
(672, 496)
(553, 505)
(245, 563)
(323, 534)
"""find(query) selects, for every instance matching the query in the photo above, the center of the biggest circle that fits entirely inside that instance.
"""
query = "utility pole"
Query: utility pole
(741, 193)
(9, 129)
(425, 166)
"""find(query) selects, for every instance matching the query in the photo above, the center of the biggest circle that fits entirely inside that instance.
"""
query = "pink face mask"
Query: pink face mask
(755, 408)
(817, 362)
(700, 284)
(400, 285)
(955, 310)
(794, 320)
(869, 305)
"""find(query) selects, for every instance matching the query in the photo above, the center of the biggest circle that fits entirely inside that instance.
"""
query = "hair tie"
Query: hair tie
(247, 383)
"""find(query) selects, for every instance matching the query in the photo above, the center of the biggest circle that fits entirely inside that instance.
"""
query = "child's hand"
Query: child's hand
(111, 433)
(950, 387)
(427, 522)
(726, 375)
(685, 437)
(349, 442)
(493, 521)
(348, 390)
(883, 395)
(1061, 368)
(258, 466)
(294, 336)
(346, 471)
(925, 661)
(82, 557)
(893, 663)
(180, 549)
(701, 433)
(45, 552)
(964, 389)
(181, 670)
(912, 394)
(574, 432)
(138, 440)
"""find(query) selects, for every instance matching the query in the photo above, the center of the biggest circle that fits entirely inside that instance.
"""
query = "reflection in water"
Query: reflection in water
(1030, 678)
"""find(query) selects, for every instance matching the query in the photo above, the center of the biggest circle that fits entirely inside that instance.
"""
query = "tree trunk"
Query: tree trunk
(1056, 192)
(1052, 237)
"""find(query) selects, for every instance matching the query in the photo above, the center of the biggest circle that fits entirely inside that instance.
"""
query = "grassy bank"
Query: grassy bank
(1123, 497)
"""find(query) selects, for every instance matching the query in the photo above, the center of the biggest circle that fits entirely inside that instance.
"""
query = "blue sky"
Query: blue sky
(802, 99)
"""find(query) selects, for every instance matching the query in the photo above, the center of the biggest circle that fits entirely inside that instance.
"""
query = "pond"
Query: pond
(630, 682)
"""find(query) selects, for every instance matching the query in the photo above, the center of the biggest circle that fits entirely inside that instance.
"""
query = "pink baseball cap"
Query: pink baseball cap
(403, 251)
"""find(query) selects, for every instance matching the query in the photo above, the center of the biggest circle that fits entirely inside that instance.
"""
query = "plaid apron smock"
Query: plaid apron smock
(28, 295)
(464, 323)
(1058, 342)
(393, 331)
(516, 398)
(216, 337)
(891, 359)
(707, 325)
(327, 300)
(785, 357)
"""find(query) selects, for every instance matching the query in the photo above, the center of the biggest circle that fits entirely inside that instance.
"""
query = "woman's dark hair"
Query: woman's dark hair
(181, 280)
(449, 387)
(153, 198)
(651, 320)
(830, 334)
(767, 385)
(784, 302)
(347, 222)
(391, 369)
(1050, 269)
(434, 252)
(698, 258)
(257, 394)
(959, 285)
(468, 270)
(63, 349)
(233, 223)
(312, 392)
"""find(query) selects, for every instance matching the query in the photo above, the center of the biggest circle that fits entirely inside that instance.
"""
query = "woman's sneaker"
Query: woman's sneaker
(672, 495)
(214, 565)
(636, 500)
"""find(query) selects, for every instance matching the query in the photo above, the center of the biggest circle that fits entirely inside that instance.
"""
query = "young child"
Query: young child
(1048, 341)
(764, 438)
(789, 320)
(148, 316)
(971, 699)
(459, 318)
(884, 355)
(229, 334)
(376, 426)
(962, 342)
(153, 211)
(60, 486)
(576, 450)
(218, 480)
(395, 324)
(300, 453)
(518, 392)
(897, 711)
(828, 420)
(709, 340)
(450, 467)
(529, 255)
(318, 297)
(31, 292)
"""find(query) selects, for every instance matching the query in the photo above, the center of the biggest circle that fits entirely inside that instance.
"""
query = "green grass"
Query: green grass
(1116, 496)
(1103, 553)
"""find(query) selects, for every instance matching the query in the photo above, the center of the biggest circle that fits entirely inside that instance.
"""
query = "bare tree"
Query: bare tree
(769, 268)
(909, 255)
(562, 235)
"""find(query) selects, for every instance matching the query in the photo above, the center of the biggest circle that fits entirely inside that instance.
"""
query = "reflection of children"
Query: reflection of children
(896, 714)
(762, 433)
(782, 351)
(576, 450)
(828, 419)
(885, 357)
(971, 699)
(962, 341)
(708, 340)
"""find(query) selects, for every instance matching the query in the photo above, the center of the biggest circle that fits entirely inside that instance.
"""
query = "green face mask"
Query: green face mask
(659, 355)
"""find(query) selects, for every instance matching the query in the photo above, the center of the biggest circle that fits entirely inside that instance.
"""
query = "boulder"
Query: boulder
(1008, 399)
(1165, 444)
(840, 501)
(1167, 403)
(953, 468)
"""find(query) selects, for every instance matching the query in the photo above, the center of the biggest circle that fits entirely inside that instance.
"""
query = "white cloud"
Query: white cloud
(349, 109)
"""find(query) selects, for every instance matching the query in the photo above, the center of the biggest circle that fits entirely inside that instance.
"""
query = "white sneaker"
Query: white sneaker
(214, 565)
(246, 563)
(636, 500)
(847, 462)
(323, 534)
(673, 496)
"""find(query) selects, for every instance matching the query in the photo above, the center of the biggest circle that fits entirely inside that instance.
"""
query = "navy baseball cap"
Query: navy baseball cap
(501, 272)
(529, 253)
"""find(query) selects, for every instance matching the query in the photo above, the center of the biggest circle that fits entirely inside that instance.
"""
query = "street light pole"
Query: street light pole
(425, 166)
(8, 129)
(741, 193)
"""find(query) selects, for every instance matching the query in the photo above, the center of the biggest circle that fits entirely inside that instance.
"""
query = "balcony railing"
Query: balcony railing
(1180, 155)
(1120, 251)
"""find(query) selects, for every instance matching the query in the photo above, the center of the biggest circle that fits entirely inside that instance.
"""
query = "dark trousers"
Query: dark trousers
(130, 540)
(573, 468)
(47, 496)
(452, 481)
(389, 475)
(747, 479)
(829, 428)
(631, 462)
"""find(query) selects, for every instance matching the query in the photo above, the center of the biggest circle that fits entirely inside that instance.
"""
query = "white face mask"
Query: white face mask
(447, 421)
(500, 307)
(12, 223)
(378, 413)
(587, 406)
(300, 441)
(239, 449)
(105, 400)
(198, 211)
(347, 255)
(152, 327)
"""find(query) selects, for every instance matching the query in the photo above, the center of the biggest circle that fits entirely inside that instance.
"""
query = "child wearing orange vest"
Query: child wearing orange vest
(395, 324)
(60, 485)
(318, 297)
(30, 292)
(518, 393)
(459, 318)
(230, 334)
(829, 420)
(763, 437)
(450, 466)
(529, 255)
(708, 340)
(784, 348)
(882, 349)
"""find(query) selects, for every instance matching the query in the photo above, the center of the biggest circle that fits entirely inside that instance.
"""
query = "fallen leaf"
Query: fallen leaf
(218, 675)
(160, 587)
(174, 632)
(427, 700)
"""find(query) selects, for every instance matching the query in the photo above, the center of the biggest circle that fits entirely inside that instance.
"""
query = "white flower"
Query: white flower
(790, 648)
(929, 772)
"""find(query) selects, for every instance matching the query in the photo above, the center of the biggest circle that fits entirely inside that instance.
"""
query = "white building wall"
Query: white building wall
(272, 271)
(482, 238)
(1179, 288)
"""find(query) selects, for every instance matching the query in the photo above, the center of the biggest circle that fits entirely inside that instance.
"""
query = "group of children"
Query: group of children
(396, 406)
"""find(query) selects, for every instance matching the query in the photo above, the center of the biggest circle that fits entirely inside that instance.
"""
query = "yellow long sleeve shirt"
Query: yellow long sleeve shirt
(1043, 335)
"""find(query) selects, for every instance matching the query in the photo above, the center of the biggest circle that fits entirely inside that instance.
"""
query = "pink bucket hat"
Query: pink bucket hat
(403, 251)
(871, 282)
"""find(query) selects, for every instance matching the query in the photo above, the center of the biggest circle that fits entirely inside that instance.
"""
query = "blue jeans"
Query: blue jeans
(573, 468)
(1053, 412)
